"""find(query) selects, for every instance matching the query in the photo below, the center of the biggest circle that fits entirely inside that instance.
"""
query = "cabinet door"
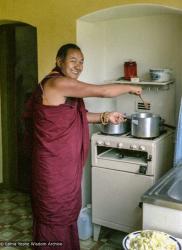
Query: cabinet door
(116, 196)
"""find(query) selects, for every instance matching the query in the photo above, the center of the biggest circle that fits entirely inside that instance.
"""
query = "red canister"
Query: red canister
(130, 70)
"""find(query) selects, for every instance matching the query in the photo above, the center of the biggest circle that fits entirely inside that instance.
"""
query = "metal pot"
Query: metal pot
(116, 129)
(145, 125)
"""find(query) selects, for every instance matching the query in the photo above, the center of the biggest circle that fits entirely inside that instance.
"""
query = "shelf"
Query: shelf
(142, 82)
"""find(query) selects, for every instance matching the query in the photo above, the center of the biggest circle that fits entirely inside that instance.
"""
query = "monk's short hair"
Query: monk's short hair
(63, 50)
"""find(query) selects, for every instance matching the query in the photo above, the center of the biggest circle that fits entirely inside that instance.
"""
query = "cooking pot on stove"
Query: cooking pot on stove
(146, 125)
(116, 129)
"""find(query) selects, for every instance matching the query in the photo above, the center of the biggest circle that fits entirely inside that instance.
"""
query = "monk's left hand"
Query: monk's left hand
(116, 117)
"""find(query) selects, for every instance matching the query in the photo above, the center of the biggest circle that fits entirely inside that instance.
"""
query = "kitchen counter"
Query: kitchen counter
(162, 204)
(167, 191)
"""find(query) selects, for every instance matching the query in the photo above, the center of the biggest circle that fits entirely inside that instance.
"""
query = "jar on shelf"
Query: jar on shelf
(130, 70)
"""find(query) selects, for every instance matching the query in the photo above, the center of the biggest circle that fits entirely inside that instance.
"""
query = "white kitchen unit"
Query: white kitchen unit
(162, 204)
(123, 168)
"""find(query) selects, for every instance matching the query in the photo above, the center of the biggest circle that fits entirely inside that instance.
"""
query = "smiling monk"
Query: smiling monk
(60, 141)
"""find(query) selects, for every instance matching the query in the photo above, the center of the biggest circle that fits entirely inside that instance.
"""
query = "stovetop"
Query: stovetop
(128, 135)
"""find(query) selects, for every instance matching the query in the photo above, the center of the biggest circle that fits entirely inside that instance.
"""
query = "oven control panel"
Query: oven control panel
(126, 153)
(124, 144)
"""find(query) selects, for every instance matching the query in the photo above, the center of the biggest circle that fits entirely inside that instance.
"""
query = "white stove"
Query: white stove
(123, 168)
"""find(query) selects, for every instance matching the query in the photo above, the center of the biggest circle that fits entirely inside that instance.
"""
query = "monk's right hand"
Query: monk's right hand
(135, 90)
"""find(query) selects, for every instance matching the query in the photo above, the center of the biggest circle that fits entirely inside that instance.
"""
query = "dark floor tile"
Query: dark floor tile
(16, 224)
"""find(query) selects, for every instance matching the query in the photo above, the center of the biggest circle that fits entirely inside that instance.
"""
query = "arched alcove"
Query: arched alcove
(18, 70)
(146, 33)
(149, 34)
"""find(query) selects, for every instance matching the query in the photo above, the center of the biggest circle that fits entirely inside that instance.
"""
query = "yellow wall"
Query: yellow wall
(56, 20)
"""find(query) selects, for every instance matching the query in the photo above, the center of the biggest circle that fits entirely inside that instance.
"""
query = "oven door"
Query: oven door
(116, 198)
(123, 160)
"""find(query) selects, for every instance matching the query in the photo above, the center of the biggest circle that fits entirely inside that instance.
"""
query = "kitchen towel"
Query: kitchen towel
(178, 143)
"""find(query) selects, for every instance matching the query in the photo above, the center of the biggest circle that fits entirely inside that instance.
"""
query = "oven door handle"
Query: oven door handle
(142, 169)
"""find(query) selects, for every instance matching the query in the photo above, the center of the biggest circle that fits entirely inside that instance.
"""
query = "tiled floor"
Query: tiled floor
(16, 225)
(15, 218)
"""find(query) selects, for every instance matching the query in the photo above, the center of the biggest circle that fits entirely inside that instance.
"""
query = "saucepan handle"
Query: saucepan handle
(162, 121)
(169, 126)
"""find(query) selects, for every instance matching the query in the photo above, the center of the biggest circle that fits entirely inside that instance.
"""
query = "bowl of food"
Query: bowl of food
(150, 240)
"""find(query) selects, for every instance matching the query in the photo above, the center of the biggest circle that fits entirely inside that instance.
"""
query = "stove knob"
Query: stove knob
(120, 145)
(100, 143)
(142, 148)
(107, 143)
(133, 146)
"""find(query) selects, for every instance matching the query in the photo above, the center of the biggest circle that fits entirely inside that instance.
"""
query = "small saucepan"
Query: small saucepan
(116, 129)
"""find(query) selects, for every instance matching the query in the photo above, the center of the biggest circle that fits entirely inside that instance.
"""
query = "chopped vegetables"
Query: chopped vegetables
(152, 240)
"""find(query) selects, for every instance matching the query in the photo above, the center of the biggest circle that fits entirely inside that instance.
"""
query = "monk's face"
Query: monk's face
(72, 65)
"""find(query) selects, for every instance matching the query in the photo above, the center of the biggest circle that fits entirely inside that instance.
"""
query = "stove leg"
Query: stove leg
(97, 229)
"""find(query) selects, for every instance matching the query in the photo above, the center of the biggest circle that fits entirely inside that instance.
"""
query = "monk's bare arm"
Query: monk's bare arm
(93, 117)
(113, 117)
(74, 88)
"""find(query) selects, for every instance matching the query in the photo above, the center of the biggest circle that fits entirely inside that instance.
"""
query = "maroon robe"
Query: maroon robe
(59, 150)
